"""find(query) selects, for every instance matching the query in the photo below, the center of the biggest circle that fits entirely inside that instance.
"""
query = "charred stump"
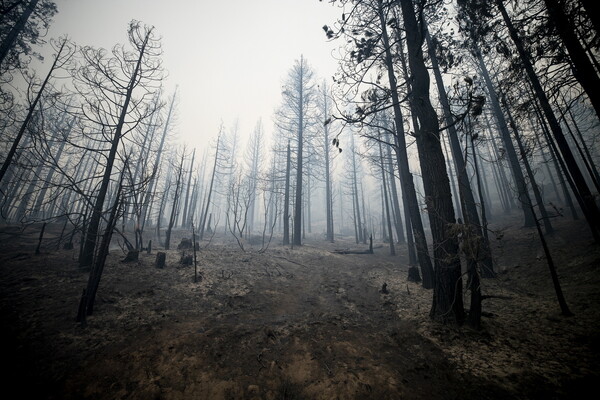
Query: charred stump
(161, 259)
(185, 244)
(132, 255)
(413, 274)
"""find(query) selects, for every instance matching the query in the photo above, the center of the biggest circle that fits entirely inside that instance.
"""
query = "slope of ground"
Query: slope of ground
(302, 323)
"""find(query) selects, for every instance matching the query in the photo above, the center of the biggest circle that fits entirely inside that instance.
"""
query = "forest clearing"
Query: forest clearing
(341, 199)
(302, 323)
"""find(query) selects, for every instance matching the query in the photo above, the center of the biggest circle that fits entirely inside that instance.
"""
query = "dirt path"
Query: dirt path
(314, 328)
(289, 324)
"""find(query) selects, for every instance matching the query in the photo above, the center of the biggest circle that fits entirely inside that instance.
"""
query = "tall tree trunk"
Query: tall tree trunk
(386, 202)
(297, 236)
(584, 155)
(149, 195)
(92, 232)
(513, 159)
(30, 112)
(582, 67)
(185, 222)
(447, 304)
(559, 164)
(48, 181)
(10, 39)
(328, 194)
(175, 205)
(286, 202)
(406, 178)
(394, 195)
(505, 182)
(210, 190)
(534, 186)
(586, 149)
(588, 203)
(467, 200)
(358, 219)
(86, 307)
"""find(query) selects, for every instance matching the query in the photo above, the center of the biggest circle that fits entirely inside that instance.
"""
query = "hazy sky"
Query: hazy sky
(229, 58)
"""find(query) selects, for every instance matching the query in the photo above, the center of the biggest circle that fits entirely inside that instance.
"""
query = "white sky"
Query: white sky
(228, 57)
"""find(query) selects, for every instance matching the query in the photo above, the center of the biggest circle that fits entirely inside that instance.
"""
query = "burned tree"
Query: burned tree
(115, 89)
(295, 115)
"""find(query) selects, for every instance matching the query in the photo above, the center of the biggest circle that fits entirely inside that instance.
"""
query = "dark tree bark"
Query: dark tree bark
(328, 191)
(394, 196)
(587, 201)
(582, 67)
(513, 159)
(86, 307)
(176, 198)
(286, 201)
(406, 178)
(135, 78)
(447, 298)
(297, 235)
(356, 202)
(149, 195)
(10, 39)
(386, 202)
(210, 190)
(185, 219)
(467, 200)
(534, 187)
(31, 110)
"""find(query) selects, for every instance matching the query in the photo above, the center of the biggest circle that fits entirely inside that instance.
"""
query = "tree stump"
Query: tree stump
(384, 289)
(186, 259)
(149, 250)
(161, 259)
(185, 244)
(413, 274)
(132, 255)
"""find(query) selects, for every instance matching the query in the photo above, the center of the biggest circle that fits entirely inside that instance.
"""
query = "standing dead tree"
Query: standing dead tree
(114, 90)
(64, 53)
(295, 117)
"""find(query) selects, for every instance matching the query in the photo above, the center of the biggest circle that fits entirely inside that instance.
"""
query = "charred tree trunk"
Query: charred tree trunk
(467, 200)
(535, 188)
(508, 144)
(185, 219)
(286, 201)
(31, 110)
(406, 178)
(328, 183)
(13, 34)
(86, 307)
(92, 232)
(394, 195)
(175, 206)
(588, 203)
(582, 67)
(210, 190)
(447, 303)
(297, 236)
(386, 202)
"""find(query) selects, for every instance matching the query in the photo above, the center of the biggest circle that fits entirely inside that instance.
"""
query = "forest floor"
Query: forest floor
(301, 323)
